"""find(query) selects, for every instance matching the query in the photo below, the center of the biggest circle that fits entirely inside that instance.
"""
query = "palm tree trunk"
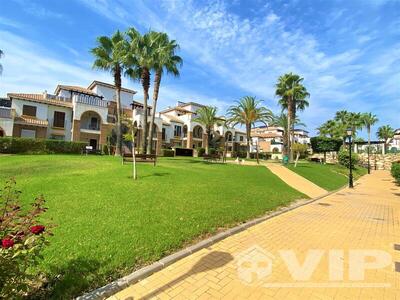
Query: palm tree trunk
(289, 126)
(117, 83)
(157, 82)
(248, 141)
(208, 132)
(146, 84)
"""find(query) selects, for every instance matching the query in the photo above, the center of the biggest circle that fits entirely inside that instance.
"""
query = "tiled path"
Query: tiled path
(365, 218)
(296, 181)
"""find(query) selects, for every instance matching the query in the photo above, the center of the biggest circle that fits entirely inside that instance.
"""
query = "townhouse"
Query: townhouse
(270, 139)
(74, 113)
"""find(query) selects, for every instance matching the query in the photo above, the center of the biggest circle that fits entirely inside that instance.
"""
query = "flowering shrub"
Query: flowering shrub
(22, 239)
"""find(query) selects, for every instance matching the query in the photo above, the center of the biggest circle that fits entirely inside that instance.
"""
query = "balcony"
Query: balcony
(91, 100)
(6, 113)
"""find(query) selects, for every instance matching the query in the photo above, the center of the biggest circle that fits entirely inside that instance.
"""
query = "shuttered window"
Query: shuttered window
(59, 119)
(28, 110)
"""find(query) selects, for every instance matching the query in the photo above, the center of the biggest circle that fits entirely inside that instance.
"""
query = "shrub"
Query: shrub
(167, 152)
(39, 146)
(22, 240)
(200, 152)
(395, 170)
(344, 158)
(212, 151)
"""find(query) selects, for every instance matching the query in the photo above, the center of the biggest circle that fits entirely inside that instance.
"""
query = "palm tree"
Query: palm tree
(142, 51)
(207, 116)
(165, 60)
(369, 120)
(385, 133)
(293, 96)
(247, 112)
(281, 120)
(1, 67)
(329, 128)
(111, 54)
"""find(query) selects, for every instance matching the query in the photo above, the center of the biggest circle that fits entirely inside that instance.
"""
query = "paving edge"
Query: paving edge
(122, 283)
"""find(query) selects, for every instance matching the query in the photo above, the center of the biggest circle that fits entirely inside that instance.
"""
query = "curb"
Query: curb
(122, 283)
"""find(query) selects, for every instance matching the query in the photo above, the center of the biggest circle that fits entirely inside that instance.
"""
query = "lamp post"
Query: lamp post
(349, 132)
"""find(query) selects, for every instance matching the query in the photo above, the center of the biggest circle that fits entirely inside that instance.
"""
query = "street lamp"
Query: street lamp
(349, 132)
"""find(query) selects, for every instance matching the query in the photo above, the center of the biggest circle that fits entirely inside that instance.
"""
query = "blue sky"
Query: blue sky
(347, 51)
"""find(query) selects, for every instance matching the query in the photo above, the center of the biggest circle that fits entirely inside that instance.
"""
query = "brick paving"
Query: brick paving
(365, 218)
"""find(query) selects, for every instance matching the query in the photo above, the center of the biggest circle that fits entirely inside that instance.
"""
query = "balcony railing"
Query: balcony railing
(91, 127)
(91, 100)
(5, 113)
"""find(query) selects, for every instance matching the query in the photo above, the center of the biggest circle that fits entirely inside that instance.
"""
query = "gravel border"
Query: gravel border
(122, 283)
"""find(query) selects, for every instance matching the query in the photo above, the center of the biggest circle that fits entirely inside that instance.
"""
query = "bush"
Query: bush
(39, 146)
(344, 158)
(167, 152)
(395, 170)
(22, 240)
(212, 151)
(200, 152)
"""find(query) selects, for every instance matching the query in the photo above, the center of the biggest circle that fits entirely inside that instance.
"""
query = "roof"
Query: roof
(136, 104)
(74, 88)
(109, 85)
(31, 121)
(177, 108)
(266, 135)
(173, 118)
(41, 98)
(190, 103)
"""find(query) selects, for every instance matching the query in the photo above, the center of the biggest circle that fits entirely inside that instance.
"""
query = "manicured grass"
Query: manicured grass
(329, 177)
(108, 225)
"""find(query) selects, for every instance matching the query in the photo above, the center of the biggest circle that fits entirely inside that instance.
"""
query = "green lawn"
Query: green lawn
(329, 177)
(108, 225)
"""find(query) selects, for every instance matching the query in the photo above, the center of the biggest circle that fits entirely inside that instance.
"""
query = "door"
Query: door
(93, 143)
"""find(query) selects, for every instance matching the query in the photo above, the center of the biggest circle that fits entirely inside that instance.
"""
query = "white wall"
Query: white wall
(7, 126)
(41, 109)
(109, 94)
(67, 124)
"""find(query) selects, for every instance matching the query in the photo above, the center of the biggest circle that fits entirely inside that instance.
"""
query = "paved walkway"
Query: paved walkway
(255, 263)
(296, 181)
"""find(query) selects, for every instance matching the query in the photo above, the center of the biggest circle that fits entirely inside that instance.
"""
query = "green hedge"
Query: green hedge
(396, 171)
(201, 152)
(167, 152)
(344, 158)
(39, 146)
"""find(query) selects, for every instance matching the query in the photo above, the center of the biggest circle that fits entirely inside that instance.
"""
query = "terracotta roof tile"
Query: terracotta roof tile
(74, 88)
(41, 99)
(31, 121)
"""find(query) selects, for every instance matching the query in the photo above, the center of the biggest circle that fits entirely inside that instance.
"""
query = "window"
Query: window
(59, 119)
(241, 138)
(28, 110)
(25, 133)
(93, 123)
(177, 130)
(163, 134)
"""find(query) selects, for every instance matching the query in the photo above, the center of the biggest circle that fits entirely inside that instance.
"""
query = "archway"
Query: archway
(228, 136)
(198, 132)
(90, 120)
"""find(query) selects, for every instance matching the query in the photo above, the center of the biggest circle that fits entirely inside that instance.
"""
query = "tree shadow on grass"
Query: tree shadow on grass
(70, 280)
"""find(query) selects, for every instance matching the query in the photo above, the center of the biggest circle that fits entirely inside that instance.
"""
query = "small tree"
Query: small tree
(130, 136)
(300, 150)
(321, 144)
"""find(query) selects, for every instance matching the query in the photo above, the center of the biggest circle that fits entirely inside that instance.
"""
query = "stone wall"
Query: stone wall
(382, 161)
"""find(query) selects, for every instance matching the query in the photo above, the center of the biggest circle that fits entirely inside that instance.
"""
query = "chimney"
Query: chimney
(45, 94)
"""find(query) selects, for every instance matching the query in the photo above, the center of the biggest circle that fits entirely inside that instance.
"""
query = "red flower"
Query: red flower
(38, 229)
(7, 243)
